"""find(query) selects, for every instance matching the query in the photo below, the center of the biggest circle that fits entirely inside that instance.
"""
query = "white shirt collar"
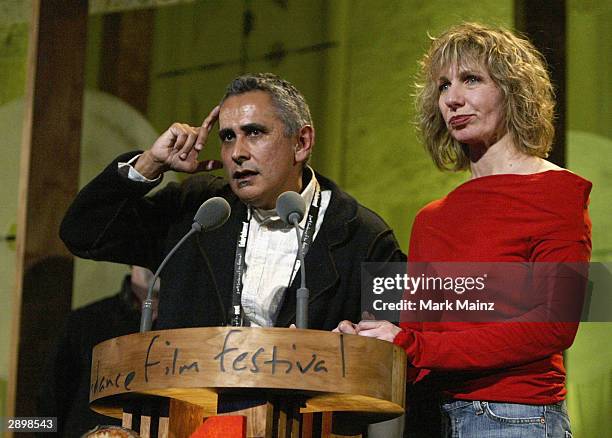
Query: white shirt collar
(268, 217)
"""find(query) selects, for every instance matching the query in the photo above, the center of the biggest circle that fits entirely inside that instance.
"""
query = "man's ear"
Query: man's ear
(304, 144)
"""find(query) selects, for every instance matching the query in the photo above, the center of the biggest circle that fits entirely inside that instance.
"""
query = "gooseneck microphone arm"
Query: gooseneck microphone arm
(212, 214)
(146, 318)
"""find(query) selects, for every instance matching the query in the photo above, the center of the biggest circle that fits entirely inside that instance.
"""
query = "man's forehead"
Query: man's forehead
(250, 105)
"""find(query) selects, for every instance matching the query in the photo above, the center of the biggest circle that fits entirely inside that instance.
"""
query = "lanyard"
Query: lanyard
(240, 262)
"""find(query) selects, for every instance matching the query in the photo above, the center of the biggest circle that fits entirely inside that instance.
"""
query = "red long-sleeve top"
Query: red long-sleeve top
(499, 218)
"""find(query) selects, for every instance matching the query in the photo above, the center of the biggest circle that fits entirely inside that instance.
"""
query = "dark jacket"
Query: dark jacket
(111, 219)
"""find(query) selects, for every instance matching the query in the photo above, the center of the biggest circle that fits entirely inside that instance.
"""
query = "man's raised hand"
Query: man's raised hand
(178, 148)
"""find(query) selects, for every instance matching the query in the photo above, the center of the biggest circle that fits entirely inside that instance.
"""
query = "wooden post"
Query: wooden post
(48, 182)
(544, 22)
(126, 56)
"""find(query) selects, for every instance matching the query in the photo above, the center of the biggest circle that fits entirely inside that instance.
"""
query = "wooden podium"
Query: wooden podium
(287, 382)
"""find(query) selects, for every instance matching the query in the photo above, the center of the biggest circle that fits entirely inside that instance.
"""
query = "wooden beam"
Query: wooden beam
(48, 182)
(106, 6)
(18, 11)
(126, 56)
(544, 22)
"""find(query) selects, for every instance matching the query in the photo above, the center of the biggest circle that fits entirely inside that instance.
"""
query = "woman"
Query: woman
(485, 103)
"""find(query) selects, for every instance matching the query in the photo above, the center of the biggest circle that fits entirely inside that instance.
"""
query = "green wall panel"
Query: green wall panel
(589, 153)
(13, 54)
(384, 164)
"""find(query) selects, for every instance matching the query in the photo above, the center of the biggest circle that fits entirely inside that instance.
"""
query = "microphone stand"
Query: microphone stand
(146, 319)
(302, 294)
(212, 214)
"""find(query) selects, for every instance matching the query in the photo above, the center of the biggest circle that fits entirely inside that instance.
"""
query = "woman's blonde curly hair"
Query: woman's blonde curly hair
(516, 67)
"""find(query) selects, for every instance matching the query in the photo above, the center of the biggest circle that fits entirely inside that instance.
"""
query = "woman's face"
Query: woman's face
(472, 105)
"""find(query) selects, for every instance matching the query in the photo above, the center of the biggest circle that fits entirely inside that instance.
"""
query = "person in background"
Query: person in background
(485, 103)
(66, 382)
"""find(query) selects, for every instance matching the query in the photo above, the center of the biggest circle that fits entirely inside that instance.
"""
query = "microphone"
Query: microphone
(291, 208)
(212, 214)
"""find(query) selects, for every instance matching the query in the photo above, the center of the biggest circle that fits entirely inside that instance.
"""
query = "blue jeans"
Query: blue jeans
(476, 419)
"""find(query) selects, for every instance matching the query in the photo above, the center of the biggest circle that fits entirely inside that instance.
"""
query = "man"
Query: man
(267, 137)
(64, 392)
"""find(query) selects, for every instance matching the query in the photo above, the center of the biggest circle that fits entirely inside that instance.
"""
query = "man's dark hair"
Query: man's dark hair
(290, 104)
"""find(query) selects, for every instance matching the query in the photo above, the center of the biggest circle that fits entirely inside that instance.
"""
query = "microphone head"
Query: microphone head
(213, 213)
(290, 206)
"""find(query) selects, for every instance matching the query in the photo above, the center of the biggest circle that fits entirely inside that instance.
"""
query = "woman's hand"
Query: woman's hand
(346, 327)
(371, 328)
(378, 329)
